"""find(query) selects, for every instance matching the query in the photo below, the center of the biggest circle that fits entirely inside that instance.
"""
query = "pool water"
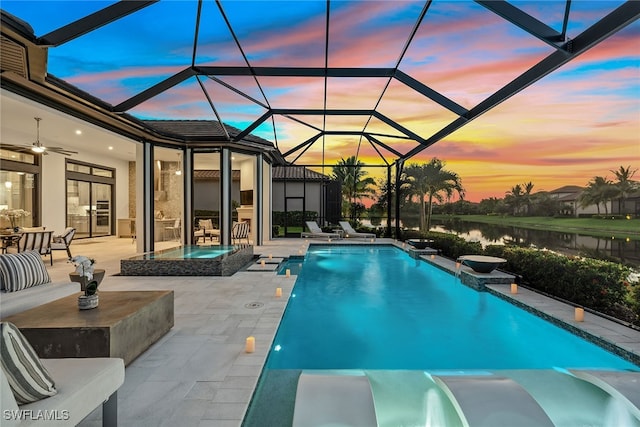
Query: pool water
(374, 307)
(293, 264)
(190, 252)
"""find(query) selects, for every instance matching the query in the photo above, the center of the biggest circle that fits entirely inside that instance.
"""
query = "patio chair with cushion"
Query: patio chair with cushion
(350, 232)
(205, 229)
(240, 231)
(316, 231)
(175, 230)
(63, 241)
(39, 241)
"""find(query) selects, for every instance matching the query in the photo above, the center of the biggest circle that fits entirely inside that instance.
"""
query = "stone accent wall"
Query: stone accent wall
(132, 189)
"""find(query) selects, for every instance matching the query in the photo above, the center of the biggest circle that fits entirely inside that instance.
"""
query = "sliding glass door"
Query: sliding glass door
(89, 207)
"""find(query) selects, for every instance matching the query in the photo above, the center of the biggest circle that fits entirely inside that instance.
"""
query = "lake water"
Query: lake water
(626, 250)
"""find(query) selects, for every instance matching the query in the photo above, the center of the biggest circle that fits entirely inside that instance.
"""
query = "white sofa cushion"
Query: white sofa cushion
(15, 302)
(28, 379)
(83, 385)
(22, 270)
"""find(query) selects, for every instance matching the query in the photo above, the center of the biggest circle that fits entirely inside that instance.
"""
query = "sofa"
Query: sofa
(82, 384)
(25, 283)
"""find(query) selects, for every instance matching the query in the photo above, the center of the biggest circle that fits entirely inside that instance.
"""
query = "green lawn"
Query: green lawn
(596, 227)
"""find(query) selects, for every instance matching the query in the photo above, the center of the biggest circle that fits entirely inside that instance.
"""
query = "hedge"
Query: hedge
(293, 217)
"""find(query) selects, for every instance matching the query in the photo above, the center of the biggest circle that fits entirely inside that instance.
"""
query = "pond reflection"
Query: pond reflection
(626, 251)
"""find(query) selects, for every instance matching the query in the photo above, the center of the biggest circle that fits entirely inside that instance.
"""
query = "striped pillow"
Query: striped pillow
(28, 379)
(22, 270)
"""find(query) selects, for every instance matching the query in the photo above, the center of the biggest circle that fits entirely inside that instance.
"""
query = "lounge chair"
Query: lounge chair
(350, 232)
(316, 231)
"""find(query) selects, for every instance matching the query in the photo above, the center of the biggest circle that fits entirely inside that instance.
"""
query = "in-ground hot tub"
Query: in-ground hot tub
(189, 261)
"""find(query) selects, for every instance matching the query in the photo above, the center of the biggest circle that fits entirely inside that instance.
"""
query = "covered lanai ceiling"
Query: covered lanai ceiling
(323, 80)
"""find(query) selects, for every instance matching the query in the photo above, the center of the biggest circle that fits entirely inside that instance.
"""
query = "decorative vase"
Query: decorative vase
(98, 275)
(87, 302)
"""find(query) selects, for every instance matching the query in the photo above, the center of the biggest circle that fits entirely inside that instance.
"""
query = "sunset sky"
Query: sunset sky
(582, 120)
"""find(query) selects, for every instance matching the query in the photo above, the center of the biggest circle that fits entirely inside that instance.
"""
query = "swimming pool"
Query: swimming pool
(193, 260)
(374, 307)
(409, 327)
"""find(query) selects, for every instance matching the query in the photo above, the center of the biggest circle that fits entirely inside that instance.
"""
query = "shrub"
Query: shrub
(293, 217)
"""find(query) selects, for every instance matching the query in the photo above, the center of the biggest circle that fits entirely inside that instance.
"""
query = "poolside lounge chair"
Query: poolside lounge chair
(350, 232)
(336, 400)
(316, 231)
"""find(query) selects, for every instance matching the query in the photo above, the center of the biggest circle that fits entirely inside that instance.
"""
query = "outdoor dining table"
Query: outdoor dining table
(9, 240)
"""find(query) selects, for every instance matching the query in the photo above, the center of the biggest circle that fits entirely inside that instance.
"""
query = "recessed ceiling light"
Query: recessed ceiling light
(110, 147)
(78, 132)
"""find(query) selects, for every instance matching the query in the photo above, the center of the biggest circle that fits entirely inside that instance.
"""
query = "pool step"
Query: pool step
(264, 263)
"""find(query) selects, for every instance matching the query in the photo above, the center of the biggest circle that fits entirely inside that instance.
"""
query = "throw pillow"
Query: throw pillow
(22, 270)
(27, 377)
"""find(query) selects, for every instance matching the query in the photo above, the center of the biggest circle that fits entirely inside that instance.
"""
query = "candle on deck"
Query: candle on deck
(262, 263)
(250, 346)
(514, 288)
(579, 314)
(287, 272)
(278, 292)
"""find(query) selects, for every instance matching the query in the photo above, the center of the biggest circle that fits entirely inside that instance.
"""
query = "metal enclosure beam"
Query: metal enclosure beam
(610, 24)
(92, 22)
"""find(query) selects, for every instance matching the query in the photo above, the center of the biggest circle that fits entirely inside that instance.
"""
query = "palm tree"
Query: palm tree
(514, 198)
(432, 180)
(599, 190)
(355, 184)
(526, 196)
(624, 186)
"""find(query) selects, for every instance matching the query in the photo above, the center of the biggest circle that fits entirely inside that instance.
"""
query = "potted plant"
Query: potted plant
(12, 216)
(89, 279)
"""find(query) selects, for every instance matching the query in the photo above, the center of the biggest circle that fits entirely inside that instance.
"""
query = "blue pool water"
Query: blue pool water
(374, 307)
(190, 252)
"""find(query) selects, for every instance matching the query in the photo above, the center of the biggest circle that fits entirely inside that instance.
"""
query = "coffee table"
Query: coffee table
(123, 325)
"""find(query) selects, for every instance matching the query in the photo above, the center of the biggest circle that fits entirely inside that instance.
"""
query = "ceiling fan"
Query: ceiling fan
(37, 147)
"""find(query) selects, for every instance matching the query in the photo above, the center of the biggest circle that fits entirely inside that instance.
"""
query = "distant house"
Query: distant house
(296, 188)
(569, 196)
(630, 205)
